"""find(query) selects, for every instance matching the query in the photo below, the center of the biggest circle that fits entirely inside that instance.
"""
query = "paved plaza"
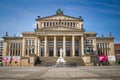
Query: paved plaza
(60, 73)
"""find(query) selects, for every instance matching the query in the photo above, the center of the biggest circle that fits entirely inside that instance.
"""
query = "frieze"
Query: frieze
(59, 33)
(61, 28)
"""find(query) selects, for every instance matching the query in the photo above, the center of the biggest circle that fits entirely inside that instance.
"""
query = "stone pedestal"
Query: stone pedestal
(87, 60)
(60, 62)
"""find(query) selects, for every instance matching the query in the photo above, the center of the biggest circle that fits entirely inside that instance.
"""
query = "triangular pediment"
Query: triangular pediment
(60, 17)
(60, 28)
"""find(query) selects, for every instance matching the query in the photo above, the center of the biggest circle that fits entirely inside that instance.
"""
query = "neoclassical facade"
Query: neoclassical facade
(55, 32)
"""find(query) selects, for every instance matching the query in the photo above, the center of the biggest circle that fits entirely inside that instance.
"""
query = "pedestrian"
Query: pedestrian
(119, 62)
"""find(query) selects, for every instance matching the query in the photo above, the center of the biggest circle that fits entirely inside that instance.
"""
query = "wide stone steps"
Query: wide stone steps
(49, 61)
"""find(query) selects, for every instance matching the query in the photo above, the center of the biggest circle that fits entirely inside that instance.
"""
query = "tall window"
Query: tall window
(42, 51)
(76, 51)
(44, 24)
(29, 42)
(76, 43)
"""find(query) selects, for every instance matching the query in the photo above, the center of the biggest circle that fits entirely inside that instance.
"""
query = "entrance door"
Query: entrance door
(42, 51)
(51, 51)
(68, 51)
(76, 51)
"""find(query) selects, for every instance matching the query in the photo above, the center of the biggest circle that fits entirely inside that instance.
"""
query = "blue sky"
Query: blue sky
(100, 16)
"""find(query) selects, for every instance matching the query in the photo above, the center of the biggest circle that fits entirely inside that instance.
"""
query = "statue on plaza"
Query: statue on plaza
(61, 61)
(61, 52)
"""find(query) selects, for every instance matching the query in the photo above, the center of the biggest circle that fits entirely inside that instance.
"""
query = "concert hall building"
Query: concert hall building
(52, 33)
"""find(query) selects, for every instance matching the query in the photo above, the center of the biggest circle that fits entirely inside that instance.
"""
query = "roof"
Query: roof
(117, 46)
(59, 12)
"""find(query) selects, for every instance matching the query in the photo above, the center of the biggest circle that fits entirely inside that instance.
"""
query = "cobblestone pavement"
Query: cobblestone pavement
(60, 73)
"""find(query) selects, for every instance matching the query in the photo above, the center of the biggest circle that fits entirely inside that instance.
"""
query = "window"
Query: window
(51, 42)
(26, 42)
(76, 51)
(32, 50)
(44, 24)
(59, 42)
(68, 23)
(53, 23)
(62, 23)
(32, 42)
(68, 43)
(56, 23)
(74, 24)
(42, 43)
(29, 42)
(42, 51)
(76, 42)
(47, 24)
(65, 23)
(71, 24)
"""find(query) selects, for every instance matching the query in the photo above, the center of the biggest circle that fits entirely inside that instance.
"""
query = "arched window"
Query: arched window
(53, 23)
(65, 23)
(56, 23)
(50, 23)
(47, 24)
(71, 24)
(44, 24)
(74, 24)
(62, 23)
(68, 23)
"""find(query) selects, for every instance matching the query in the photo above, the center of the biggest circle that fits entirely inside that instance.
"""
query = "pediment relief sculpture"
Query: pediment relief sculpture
(60, 28)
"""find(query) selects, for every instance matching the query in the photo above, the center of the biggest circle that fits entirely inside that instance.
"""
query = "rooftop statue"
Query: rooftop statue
(59, 12)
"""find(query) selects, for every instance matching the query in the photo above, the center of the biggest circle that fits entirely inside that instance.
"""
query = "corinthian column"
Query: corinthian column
(73, 45)
(39, 48)
(23, 47)
(54, 46)
(36, 46)
(64, 46)
(45, 47)
(82, 45)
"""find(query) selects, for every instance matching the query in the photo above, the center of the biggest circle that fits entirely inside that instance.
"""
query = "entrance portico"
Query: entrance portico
(49, 45)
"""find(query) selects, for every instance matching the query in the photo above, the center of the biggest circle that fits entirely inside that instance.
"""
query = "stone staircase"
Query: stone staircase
(49, 61)
(72, 60)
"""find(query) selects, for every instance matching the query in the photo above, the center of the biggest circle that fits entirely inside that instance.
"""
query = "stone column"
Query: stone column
(73, 45)
(82, 45)
(64, 46)
(45, 47)
(23, 47)
(39, 48)
(79, 46)
(36, 43)
(54, 46)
